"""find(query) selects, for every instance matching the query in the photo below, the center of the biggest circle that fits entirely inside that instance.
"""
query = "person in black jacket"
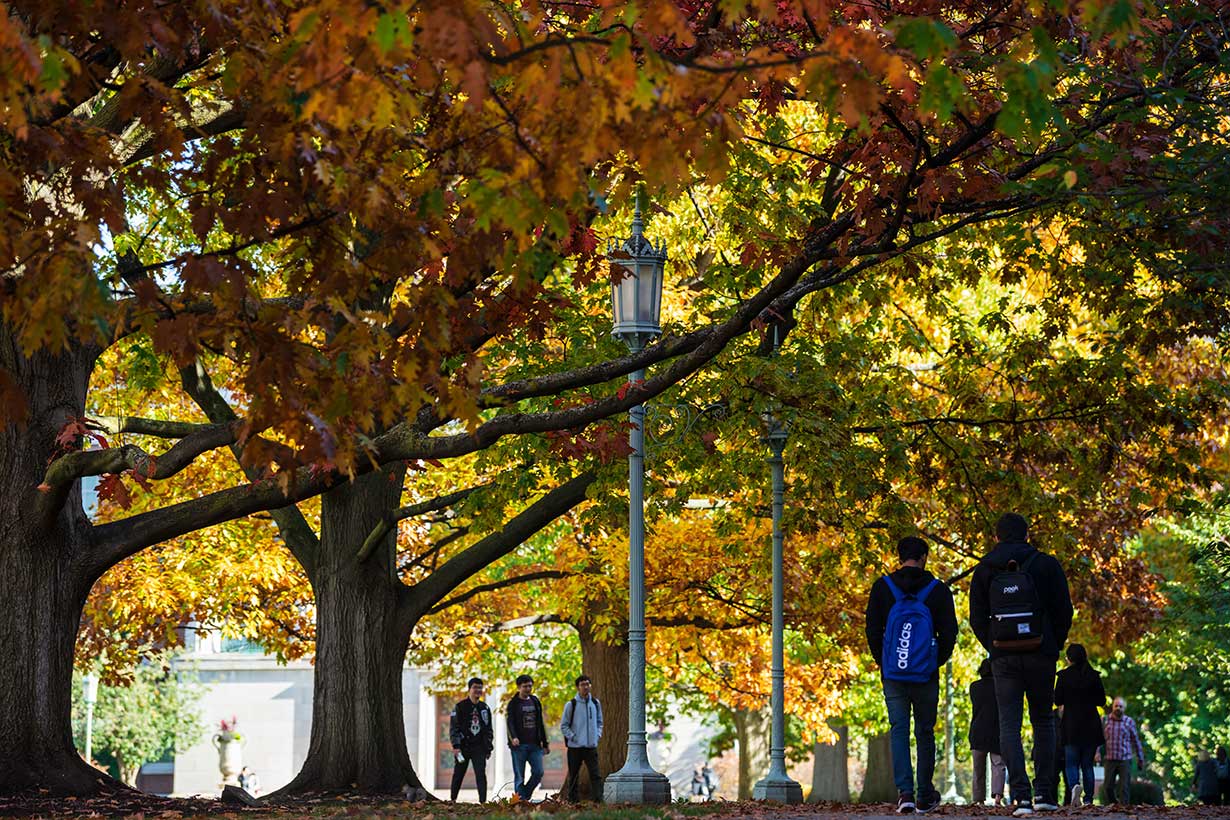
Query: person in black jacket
(921, 697)
(1080, 694)
(1223, 775)
(527, 737)
(1028, 674)
(984, 737)
(473, 737)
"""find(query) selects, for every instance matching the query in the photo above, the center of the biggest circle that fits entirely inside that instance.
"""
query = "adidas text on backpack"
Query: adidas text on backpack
(1016, 612)
(909, 637)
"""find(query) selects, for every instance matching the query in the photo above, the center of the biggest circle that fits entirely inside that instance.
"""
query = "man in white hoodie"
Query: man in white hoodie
(581, 727)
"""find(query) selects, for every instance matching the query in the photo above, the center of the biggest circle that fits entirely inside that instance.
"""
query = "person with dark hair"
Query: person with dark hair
(984, 737)
(1205, 784)
(1122, 744)
(1222, 761)
(527, 737)
(473, 737)
(581, 726)
(1080, 695)
(911, 630)
(1021, 611)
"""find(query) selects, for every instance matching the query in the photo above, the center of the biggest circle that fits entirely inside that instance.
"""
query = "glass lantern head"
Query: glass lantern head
(637, 271)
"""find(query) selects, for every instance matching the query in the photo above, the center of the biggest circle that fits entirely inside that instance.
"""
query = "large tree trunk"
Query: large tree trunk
(830, 780)
(878, 784)
(607, 667)
(43, 585)
(752, 729)
(358, 739)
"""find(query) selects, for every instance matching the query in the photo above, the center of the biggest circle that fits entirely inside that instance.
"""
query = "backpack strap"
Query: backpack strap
(925, 591)
(1029, 560)
(898, 595)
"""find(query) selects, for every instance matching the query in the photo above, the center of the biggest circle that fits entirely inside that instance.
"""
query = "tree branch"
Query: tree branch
(414, 510)
(525, 578)
(432, 589)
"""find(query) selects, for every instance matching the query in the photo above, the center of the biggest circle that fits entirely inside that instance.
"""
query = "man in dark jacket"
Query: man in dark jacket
(984, 736)
(527, 737)
(900, 697)
(1024, 673)
(472, 735)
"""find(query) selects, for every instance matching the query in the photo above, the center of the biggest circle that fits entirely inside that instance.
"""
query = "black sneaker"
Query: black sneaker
(905, 803)
(1022, 808)
(928, 803)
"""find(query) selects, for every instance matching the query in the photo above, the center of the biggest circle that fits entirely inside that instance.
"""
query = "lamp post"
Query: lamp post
(951, 795)
(777, 784)
(636, 299)
(89, 696)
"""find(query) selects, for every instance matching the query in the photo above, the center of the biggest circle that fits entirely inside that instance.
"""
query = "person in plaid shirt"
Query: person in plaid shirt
(1122, 744)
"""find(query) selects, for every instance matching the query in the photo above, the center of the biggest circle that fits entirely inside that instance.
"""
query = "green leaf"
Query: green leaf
(925, 37)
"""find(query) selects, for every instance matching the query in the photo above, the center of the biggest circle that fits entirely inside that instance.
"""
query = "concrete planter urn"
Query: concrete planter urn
(230, 753)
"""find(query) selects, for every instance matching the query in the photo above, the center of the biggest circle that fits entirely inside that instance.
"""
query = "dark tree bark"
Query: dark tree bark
(362, 629)
(752, 729)
(878, 783)
(44, 580)
(830, 780)
(607, 666)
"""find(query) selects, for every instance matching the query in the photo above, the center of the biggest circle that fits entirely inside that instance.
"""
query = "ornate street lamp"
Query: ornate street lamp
(777, 784)
(636, 299)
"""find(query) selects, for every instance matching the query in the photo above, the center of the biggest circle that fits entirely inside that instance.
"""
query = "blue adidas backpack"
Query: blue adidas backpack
(909, 637)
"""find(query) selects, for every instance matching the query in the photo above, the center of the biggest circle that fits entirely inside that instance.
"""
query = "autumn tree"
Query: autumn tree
(363, 210)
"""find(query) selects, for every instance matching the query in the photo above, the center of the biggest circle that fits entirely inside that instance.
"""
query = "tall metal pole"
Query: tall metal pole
(951, 795)
(777, 784)
(636, 782)
(89, 695)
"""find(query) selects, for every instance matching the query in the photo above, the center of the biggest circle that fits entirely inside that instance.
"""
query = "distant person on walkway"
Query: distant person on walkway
(984, 737)
(1223, 775)
(1122, 744)
(1079, 692)
(911, 630)
(1205, 784)
(1020, 611)
(473, 737)
(698, 783)
(711, 781)
(527, 737)
(581, 726)
(249, 782)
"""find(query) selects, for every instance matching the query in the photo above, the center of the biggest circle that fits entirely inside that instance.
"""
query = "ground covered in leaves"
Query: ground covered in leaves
(138, 806)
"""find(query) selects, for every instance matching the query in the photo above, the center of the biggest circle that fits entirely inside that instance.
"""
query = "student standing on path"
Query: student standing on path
(527, 737)
(1122, 744)
(1020, 611)
(1079, 692)
(911, 630)
(581, 726)
(984, 737)
(473, 737)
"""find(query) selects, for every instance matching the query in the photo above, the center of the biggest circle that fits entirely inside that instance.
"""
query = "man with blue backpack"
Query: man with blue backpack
(911, 630)
(1021, 611)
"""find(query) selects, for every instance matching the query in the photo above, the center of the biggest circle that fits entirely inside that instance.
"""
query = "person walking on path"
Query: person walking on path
(984, 737)
(1081, 697)
(581, 726)
(911, 630)
(1205, 784)
(473, 737)
(1021, 611)
(527, 737)
(1223, 775)
(1122, 744)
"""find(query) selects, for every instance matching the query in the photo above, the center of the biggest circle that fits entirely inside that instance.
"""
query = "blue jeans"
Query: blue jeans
(923, 699)
(1021, 678)
(1078, 760)
(521, 755)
